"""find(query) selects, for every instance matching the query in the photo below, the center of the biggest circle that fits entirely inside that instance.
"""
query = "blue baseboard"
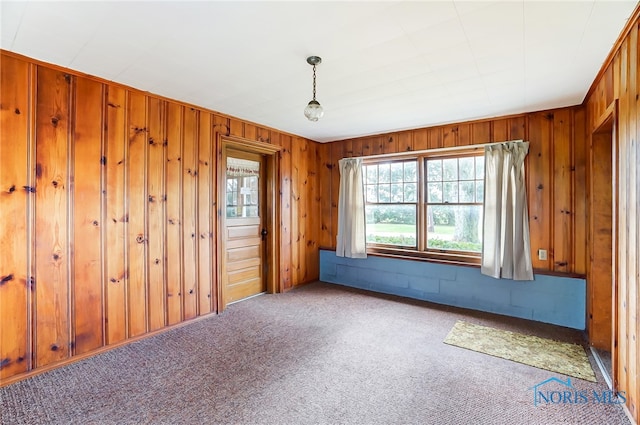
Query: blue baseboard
(549, 299)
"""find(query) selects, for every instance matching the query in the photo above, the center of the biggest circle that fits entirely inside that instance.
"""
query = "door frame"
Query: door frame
(607, 124)
(272, 208)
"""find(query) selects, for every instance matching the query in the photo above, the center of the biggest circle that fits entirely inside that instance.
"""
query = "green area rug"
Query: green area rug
(561, 357)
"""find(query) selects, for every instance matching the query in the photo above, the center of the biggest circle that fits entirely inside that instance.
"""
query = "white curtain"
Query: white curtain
(506, 252)
(351, 241)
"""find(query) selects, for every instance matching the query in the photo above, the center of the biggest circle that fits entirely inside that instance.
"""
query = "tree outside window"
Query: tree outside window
(455, 190)
(391, 191)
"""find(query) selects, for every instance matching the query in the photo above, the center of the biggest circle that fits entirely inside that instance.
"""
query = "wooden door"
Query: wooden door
(244, 231)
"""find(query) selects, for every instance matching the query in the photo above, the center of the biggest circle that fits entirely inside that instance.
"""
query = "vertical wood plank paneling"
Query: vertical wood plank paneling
(449, 136)
(250, 132)
(635, 250)
(87, 216)
(366, 148)
(121, 195)
(299, 221)
(296, 188)
(562, 181)
(286, 212)
(390, 143)
(206, 261)
(623, 217)
(480, 133)
(540, 187)
(376, 145)
(336, 155)
(220, 127)
(464, 136)
(517, 127)
(579, 198)
(116, 285)
(174, 213)
(421, 139)
(264, 135)
(325, 196)
(405, 141)
(599, 276)
(190, 213)
(312, 210)
(500, 130)
(435, 138)
(633, 199)
(52, 314)
(236, 127)
(15, 115)
(353, 148)
(137, 200)
(155, 213)
(538, 128)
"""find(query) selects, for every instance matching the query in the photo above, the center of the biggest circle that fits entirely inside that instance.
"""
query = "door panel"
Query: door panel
(243, 222)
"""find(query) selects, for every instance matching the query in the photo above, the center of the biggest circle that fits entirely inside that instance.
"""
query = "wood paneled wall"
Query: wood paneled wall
(620, 83)
(108, 226)
(555, 171)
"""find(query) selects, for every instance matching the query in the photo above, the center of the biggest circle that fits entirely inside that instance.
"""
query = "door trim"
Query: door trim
(272, 218)
(607, 124)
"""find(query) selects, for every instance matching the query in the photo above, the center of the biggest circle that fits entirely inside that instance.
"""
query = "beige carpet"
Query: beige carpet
(561, 357)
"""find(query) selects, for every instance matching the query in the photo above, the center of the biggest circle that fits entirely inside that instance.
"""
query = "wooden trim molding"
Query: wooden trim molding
(631, 22)
(271, 153)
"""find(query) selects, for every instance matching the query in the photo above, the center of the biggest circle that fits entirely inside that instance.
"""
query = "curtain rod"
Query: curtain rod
(435, 150)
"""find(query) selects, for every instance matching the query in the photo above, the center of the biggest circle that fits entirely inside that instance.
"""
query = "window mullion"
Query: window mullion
(421, 206)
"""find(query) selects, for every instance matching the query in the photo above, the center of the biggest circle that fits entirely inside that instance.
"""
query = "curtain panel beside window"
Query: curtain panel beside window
(351, 239)
(506, 251)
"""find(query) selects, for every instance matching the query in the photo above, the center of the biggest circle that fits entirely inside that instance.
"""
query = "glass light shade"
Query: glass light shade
(313, 111)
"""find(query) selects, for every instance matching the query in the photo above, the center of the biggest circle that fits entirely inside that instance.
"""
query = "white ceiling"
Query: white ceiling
(386, 65)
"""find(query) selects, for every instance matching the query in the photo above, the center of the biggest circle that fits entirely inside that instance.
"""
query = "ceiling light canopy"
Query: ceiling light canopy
(314, 111)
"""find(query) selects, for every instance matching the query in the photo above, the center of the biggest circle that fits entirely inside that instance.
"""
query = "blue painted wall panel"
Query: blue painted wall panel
(549, 299)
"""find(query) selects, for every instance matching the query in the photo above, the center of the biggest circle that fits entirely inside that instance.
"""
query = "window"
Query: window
(391, 191)
(242, 187)
(455, 190)
(426, 206)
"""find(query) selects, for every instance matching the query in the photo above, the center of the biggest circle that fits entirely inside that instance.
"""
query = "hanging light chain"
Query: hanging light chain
(314, 82)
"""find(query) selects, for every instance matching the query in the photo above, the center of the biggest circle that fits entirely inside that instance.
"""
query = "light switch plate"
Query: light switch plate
(542, 254)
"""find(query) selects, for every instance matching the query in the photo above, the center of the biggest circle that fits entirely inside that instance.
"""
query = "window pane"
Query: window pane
(479, 191)
(434, 170)
(479, 167)
(455, 227)
(397, 193)
(372, 193)
(451, 192)
(242, 182)
(384, 173)
(466, 169)
(410, 192)
(397, 173)
(384, 193)
(391, 224)
(435, 192)
(372, 174)
(450, 169)
(410, 174)
(467, 191)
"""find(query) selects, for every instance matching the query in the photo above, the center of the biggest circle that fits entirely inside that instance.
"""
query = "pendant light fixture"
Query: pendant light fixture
(314, 111)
